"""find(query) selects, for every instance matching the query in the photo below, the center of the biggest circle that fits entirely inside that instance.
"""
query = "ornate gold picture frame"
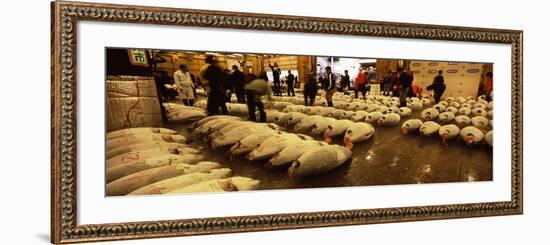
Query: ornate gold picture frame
(64, 188)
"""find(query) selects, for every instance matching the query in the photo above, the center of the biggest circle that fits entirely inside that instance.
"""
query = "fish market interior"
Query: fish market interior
(196, 121)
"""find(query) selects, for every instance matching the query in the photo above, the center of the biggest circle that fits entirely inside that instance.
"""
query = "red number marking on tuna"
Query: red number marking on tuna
(130, 157)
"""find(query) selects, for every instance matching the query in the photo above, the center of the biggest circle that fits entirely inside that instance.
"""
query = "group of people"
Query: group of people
(216, 81)
(220, 84)
(249, 88)
(290, 81)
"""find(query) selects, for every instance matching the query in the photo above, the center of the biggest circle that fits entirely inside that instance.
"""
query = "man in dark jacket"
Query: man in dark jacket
(310, 89)
(438, 86)
(290, 83)
(276, 78)
(386, 83)
(238, 81)
(344, 81)
(215, 77)
(405, 81)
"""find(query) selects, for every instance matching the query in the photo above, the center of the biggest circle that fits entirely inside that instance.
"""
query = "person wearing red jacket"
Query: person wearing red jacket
(360, 84)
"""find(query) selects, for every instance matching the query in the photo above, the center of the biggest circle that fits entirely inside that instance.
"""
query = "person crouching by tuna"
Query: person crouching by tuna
(214, 76)
(310, 89)
(255, 88)
(331, 86)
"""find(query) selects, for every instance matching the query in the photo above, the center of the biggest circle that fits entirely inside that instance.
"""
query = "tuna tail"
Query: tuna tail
(292, 169)
(327, 137)
(348, 143)
(444, 139)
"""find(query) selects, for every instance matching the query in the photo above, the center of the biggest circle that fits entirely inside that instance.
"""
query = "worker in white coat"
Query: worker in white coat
(184, 85)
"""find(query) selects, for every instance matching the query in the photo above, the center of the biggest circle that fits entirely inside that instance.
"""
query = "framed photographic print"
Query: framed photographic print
(175, 122)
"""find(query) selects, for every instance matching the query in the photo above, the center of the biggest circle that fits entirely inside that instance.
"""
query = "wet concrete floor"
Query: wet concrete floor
(388, 158)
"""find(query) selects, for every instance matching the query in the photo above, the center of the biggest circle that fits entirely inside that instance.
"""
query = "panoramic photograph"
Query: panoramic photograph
(186, 121)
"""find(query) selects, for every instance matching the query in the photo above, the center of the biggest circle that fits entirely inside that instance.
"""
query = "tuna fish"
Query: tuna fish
(233, 108)
(389, 119)
(221, 185)
(429, 114)
(471, 135)
(410, 125)
(129, 131)
(337, 114)
(273, 145)
(140, 179)
(236, 134)
(336, 128)
(359, 116)
(462, 120)
(393, 109)
(294, 118)
(371, 107)
(480, 104)
(307, 123)
(439, 107)
(122, 170)
(480, 122)
(207, 137)
(373, 117)
(489, 138)
(209, 126)
(321, 126)
(464, 111)
(188, 115)
(171, 184)
(325, 111)
(382, 109)
(291, 153)
(415, 105)
(490, 105)
(429, 128)
(138, 156)
(404, 111)
(222, 127)
(148, 146)
(358, 132)
(319, 160)
(450, 99)
(447, 132)
(426, 101)
(446, 117)
(479, 112)
(251, 142)
(279, 105)
(452, 109)
(272, 116)
(143, 138)
(207, 119)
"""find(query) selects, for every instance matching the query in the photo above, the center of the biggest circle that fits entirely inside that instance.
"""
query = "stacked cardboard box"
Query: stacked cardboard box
(132, 102)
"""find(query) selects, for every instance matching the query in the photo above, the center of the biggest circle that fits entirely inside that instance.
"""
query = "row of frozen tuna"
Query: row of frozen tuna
(470, 134)
(445, 113)
(266, 141)
(181, 113)
(143, 161)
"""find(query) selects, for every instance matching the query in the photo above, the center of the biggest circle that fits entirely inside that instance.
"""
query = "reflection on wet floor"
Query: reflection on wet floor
(387, 158)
